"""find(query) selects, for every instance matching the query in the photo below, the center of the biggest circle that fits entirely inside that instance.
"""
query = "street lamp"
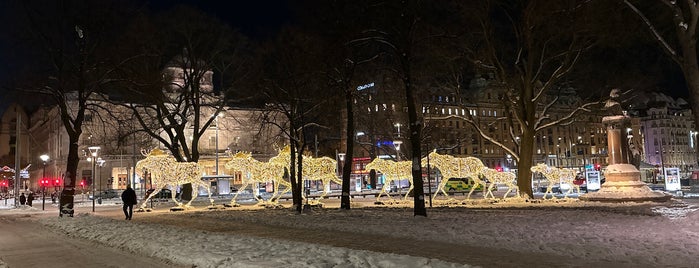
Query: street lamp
(340, 164)
(216, 119)
(44, 158)
(100, 163)
(509, 161)
(94, 150)
(398, 126)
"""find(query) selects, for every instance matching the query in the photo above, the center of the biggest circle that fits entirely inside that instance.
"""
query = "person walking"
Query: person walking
(30, 198)
(129, 199)
(22, 199)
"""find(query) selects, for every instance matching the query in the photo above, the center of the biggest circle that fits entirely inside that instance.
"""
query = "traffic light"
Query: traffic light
(597, 167)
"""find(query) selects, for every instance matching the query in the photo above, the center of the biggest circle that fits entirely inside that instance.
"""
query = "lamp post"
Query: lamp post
(100, 163)
(341, 165)
(216, 151)
(398, 125)
(509, 162)
(429, 181)
(94, 150)
(44, 158)
(397, 145)
(216, 140)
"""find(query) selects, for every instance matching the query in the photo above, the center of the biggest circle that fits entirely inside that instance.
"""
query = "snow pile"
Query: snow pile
(206, 249)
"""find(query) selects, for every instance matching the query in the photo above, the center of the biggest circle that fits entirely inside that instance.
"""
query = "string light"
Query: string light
(258, 172)
(555, 175)
(314, 169)
(496, 177)
(392, 171)
(166, 171)
(452, 167)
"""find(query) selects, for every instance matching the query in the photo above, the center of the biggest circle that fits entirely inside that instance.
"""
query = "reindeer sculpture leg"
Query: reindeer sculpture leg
(489, 191)
(510, 186)
(177, 203)
(473, 188)
(383, 191)
(243, 187)
(273, 198)
(570, 190)
(195, 194)
(326, 184)
(145, 202)
(549, 190)
(409, 189)
(440, 187)
(287, 188)
(208, 191)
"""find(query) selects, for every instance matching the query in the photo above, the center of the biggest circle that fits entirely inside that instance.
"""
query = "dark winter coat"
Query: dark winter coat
(22, 199)
(129, 197)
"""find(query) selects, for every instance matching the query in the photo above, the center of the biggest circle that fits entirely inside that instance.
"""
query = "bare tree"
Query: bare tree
(169, 87)
(341, 24)
(405, 32)
(530, 58)
(673, 24)
(292, 87)
(72, 62)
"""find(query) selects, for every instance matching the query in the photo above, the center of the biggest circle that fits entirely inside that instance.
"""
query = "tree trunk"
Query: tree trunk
(295, 189)
(416, 152)
(299, 177)
(349, 155)
(524, 174)
(690, 68)
(67, 195)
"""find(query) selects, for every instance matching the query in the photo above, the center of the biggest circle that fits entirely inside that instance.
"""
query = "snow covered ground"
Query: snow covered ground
(565, 234)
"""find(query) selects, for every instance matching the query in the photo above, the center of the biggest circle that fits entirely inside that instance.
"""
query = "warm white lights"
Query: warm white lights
(556, 175)
(392, 171)
(452, 167)
(165, 171)
(498, 177)
(316, 169)
(258, 172)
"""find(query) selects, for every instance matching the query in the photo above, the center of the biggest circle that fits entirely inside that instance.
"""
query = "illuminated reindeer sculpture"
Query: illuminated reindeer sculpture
(392, 171)
(255, 171)
(555, 175)
(496, 177)
(452, 167)
(165, 171)
(316, 169)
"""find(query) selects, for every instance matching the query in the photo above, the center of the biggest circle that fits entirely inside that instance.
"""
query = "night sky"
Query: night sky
(257, 19)
(262, 19)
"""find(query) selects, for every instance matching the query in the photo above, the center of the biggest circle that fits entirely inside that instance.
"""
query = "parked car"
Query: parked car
(106, 194)
(164, 193)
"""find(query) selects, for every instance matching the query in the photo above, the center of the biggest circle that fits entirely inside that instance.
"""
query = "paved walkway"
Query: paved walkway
(24, 243)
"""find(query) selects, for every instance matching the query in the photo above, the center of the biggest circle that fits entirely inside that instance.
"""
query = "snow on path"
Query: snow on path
(206, 249)
(623, 235)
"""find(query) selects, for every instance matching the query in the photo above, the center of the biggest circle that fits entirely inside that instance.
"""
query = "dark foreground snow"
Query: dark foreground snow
(567, 234)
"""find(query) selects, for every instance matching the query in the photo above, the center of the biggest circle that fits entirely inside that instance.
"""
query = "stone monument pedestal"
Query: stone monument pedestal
(623, 184)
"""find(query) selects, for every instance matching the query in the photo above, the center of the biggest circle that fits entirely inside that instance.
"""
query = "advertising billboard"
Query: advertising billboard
(593, 180)
(672, 179)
